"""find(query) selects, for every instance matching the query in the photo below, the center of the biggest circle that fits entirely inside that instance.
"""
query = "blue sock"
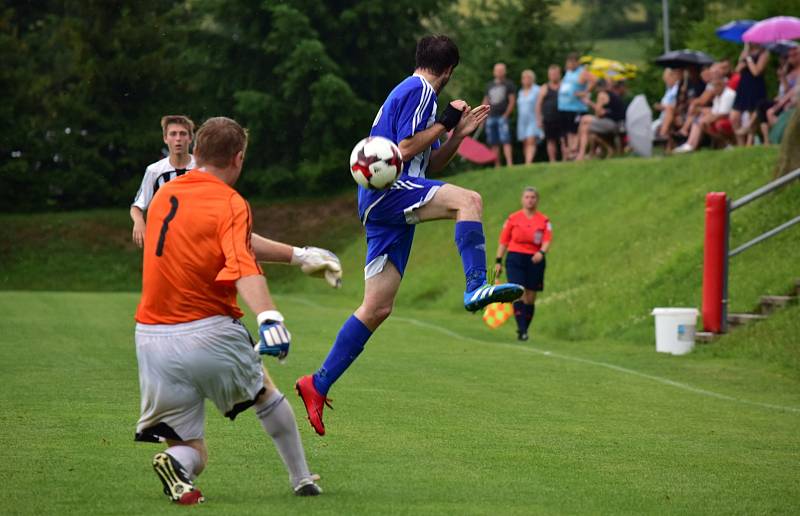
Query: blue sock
(348, 345)
(472, 246)
(521, 315)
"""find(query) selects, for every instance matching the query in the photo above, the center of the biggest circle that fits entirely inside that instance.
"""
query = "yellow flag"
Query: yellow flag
(496, 314)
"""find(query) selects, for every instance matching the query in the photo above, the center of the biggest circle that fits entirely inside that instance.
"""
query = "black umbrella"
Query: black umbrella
(781, 47)
(684, 58)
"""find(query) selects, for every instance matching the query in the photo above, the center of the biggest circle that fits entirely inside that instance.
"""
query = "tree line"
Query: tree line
(85, 82)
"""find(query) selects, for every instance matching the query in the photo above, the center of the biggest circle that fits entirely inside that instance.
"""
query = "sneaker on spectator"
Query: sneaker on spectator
(683, 149)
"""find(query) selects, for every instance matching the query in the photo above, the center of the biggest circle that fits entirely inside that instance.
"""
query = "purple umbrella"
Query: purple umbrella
(773, 29)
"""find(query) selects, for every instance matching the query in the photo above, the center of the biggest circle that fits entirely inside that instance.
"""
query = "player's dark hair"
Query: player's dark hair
(436, 53)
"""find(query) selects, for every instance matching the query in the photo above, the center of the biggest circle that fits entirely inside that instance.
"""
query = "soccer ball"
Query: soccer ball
(376, 163)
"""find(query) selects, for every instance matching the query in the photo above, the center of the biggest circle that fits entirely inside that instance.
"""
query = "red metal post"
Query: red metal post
(714, 261)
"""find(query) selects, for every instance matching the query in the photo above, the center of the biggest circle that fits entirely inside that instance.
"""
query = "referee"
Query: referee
(526, 239)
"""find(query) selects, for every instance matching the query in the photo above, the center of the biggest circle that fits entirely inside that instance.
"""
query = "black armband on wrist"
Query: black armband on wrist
(499, 260)
(450, 117)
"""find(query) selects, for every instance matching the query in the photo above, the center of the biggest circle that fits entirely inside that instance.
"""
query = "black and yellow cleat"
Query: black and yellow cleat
(177, 485)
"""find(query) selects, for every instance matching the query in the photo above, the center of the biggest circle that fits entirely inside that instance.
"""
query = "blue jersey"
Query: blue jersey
(409, 109)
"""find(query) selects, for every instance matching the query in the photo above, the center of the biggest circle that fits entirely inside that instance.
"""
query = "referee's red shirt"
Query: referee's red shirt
(523, 234)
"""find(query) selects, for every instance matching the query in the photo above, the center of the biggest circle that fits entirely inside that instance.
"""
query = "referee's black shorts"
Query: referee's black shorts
(521, 270)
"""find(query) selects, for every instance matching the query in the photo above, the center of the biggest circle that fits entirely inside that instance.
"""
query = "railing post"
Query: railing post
(715, 266)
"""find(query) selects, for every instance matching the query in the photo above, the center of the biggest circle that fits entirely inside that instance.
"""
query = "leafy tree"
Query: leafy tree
(91, 81)
(522, 34)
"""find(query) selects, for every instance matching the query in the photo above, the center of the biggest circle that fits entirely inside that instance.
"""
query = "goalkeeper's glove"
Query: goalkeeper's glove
(274, 338)
(318, 262)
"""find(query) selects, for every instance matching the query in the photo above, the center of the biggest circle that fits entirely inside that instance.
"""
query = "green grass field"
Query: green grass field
(441, 414)
(428, 421)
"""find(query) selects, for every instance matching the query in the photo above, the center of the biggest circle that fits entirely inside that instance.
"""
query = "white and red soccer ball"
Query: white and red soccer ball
(376, 163)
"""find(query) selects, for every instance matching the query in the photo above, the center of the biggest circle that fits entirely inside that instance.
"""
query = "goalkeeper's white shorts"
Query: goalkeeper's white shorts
(180, 365)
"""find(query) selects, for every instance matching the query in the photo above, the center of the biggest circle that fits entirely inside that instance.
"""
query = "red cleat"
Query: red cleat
(191, 498)
(314, 402)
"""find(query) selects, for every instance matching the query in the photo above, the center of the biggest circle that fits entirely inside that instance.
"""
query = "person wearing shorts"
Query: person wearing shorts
(190, 343)
(576, 85)
(408, 118)
(501, 98)
(524, 242)
(547, 114)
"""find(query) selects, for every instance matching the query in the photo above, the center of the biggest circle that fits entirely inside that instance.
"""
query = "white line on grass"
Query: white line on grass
(619, 369)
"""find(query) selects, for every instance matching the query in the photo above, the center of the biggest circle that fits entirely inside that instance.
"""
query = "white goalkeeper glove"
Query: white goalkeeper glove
(318, 262)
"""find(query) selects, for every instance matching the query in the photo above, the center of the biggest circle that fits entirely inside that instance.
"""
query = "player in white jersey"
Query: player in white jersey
(178, 133)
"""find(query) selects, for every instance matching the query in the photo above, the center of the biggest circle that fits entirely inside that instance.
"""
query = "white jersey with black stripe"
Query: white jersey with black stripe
(155, 176)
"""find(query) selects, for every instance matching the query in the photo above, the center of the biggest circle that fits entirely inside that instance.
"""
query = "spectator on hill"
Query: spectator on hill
(724, 66)
(752, 88)
(608, 117)
(716, 122)
(501, 99)
(702, 103)
(547, 114)
(524, 241)
(666, 106)
(769, 110)
(528, 131)
(691, 87)
(178, 133)
(577, 83)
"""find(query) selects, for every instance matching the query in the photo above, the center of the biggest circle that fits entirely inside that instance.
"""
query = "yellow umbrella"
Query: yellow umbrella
(609, 68)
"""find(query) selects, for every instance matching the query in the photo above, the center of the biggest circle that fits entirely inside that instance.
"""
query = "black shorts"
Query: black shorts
(569, 122)
(521, 270)
(552, 128)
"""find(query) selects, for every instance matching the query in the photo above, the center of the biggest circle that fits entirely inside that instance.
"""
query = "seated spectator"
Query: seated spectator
(690, 87)
(609, 114)
(724, 66)
(698, 104)
(666, 106)
(715, 122)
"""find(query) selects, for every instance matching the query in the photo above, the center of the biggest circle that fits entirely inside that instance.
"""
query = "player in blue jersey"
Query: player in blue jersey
(408, 118)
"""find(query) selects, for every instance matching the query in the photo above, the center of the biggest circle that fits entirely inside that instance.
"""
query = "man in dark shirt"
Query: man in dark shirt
(501, 97)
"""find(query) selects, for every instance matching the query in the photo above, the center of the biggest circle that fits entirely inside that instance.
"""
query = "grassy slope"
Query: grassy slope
(628, 238)
(426, 423)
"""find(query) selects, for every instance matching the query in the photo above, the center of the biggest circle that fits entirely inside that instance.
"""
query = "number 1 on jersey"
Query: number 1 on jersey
(165, 226)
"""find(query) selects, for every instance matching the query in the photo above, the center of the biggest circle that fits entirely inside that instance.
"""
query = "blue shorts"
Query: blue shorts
(389, 223)
(521, 270)
(497, 130)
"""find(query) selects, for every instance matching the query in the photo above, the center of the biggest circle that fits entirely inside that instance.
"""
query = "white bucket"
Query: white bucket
(675, 329)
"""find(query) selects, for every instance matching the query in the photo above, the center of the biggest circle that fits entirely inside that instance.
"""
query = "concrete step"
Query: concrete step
(744, 318)
(771, 303)
(705, 336)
